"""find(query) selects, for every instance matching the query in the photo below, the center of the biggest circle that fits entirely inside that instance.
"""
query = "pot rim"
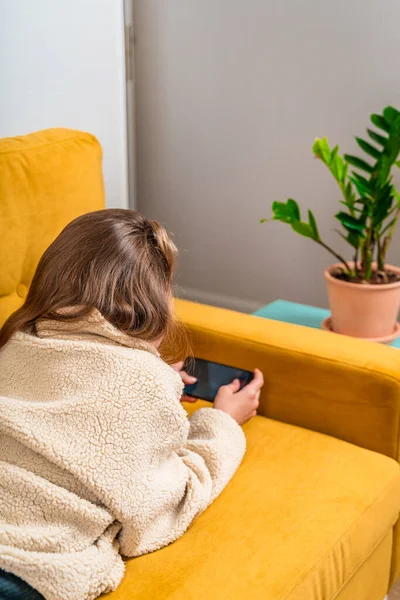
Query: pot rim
(362, 286)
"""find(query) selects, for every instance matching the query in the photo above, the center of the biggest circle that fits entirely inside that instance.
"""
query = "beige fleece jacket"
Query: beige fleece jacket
(97, 456)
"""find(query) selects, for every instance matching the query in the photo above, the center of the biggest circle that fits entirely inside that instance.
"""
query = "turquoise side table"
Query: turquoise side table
(298, 314)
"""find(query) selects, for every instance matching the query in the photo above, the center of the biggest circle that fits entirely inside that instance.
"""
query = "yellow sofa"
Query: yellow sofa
(311, 513)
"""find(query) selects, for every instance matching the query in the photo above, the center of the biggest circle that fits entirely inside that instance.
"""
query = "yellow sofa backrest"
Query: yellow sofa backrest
(46, 179)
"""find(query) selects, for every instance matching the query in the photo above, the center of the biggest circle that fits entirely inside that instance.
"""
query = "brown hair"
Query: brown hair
(114, 260)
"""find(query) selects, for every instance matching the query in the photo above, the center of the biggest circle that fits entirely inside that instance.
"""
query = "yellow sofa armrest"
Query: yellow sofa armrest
(343, 387)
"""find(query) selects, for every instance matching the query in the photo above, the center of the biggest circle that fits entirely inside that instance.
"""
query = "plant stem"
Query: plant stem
(356, 261)
(381, 264)
(367, 254)
(339, 258)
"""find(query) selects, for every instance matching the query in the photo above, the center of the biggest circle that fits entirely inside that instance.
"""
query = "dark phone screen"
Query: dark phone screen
(210, 377)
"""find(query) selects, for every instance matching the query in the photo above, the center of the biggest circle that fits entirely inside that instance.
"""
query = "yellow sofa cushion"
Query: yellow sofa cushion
(298, 520)
(46, 180)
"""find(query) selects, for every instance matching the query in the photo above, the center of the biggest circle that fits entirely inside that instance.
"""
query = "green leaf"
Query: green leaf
(336, 164)
(313, 225)
(362, 189)
(294, 207)
(380, 122)
(348, 192)
(393, 145)
(315, 148)
(351, 223)
(358, 163)
(338, 169)
(371, 150)
(303, 229)
(384, 168)
(382, 208)
(388, 226)
(361, 179)
(397, 163)
(264, 220)
(321, 149)
(351, 238)
(352, 207)
(390, 114)
(391, 153)
(334, 152)
(396, 196)
(331, 158)
(287, 212)
(379, 139)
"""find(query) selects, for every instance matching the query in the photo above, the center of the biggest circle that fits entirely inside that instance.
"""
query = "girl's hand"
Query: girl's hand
(186, 378)
(241, 404)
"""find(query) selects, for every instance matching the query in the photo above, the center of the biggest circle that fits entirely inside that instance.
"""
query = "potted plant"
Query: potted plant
(364, 291)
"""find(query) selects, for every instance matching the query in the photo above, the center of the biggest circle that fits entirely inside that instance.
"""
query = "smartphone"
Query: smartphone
(211, 376)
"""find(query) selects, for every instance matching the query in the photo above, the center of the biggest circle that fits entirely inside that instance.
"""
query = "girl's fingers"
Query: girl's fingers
(256, 383)
(188, 399)
(234, 386)
(187, 379)
(256, 400)
(178, 366)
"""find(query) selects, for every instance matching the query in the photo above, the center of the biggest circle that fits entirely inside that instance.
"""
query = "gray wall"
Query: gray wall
(230, 95)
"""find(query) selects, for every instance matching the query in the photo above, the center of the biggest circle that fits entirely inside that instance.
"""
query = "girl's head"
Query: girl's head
(116, 261)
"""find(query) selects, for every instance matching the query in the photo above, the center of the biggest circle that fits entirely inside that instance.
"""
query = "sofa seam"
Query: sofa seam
(326, 551)
(51, 143)
(362, 563)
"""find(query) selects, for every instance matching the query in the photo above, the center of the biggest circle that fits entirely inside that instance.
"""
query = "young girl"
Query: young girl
(97, 456)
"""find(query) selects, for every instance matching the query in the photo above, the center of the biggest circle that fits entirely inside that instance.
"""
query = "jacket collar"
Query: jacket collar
(93, 327)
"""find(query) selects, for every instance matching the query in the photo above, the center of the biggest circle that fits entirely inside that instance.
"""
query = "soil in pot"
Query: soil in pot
(378, 277)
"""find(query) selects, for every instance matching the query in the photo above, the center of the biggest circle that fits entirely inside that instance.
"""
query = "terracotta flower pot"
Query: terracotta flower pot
(364, 310)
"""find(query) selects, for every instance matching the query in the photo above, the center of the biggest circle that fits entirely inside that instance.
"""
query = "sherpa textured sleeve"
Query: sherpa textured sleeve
(188, 465)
